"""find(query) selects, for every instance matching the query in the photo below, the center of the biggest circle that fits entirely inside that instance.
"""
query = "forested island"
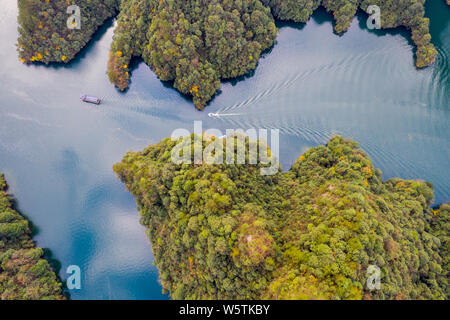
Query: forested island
(194, 43)
(24, 273)
(227, 232)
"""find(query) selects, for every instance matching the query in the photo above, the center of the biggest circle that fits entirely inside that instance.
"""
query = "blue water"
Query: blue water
(57, 153)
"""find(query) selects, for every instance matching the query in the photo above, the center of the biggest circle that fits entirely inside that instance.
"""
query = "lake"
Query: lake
(57, 153)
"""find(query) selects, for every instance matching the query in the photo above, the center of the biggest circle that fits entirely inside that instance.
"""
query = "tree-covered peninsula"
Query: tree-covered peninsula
(44, 35)
(24, 273)
(223, 231)
(194, 43)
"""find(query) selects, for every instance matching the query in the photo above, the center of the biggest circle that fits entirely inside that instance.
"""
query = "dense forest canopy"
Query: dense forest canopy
(194, 43)
(43, 32)
(24, 273)
(227, 232)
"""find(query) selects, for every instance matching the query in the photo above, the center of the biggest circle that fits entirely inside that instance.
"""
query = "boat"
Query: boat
(90, 99)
